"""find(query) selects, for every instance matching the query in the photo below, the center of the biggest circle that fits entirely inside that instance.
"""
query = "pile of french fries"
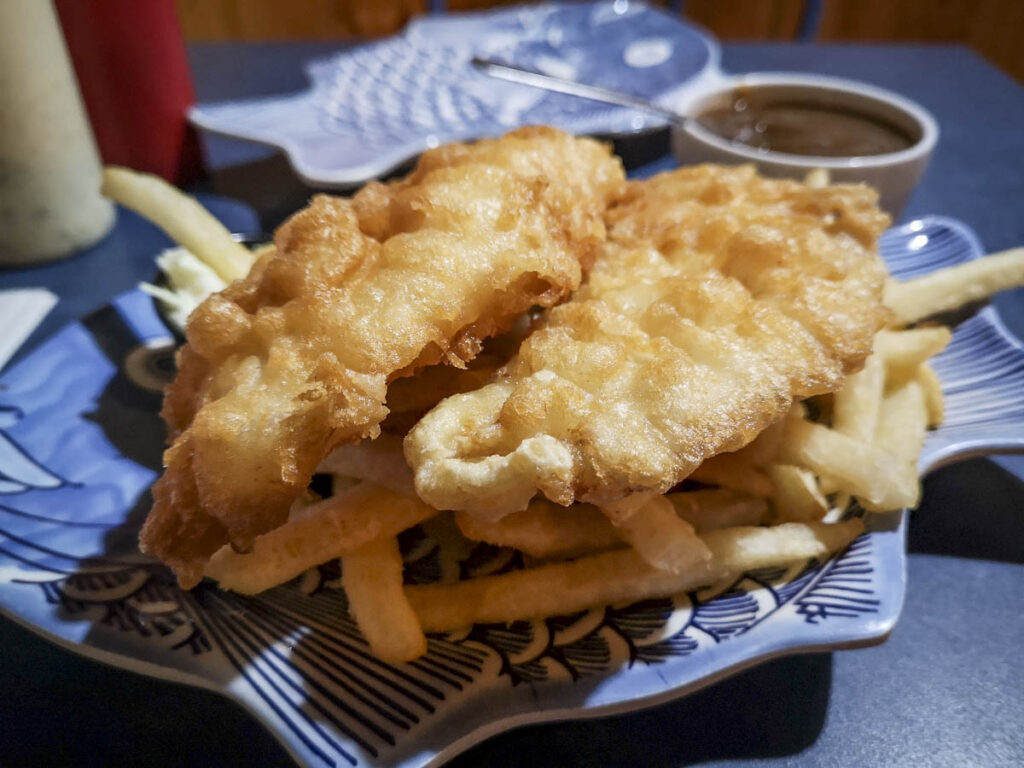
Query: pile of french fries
(787, 497)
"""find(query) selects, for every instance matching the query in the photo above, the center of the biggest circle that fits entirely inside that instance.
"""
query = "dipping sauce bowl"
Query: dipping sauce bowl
(779, 121)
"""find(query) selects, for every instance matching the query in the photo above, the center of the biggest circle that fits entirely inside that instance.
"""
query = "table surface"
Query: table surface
(947, 688)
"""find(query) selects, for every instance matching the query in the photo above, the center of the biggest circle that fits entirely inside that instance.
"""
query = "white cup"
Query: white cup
(894, 174)
(50, 203)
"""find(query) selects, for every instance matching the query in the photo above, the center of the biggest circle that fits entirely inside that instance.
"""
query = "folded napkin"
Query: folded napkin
(21, 312)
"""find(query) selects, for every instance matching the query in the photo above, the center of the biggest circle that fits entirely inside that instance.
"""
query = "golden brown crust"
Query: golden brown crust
(720, 296)
(295, 359)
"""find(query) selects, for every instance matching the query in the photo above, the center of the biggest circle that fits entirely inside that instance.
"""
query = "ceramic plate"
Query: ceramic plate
(80, 444)
(371, 107)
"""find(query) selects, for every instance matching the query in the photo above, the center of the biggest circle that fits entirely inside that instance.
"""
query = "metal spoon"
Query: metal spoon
(571, 87)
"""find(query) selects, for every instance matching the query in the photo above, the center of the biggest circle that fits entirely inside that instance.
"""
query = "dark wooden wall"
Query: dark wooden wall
(994, 28)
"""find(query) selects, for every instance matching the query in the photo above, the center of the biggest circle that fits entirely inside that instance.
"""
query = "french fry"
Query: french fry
(549, 531)
(372, 578)
(259, 251)
(797, 497)
(546, 530)
(864, 470)
(181, 217)
(618, 576)
(735, 471)
(904, 351)
(743, 549)
(379, 461)
(711, 508)
(934, 400)
(951, 288)
(648, 522)
(557, 588)
(818, 178)
(899, 356)
(328, 529)
(901, 430)
(855, 406)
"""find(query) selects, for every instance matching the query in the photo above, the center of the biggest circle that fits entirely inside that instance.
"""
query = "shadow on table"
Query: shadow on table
(128, 408)
(970, 510)
(106, 716)
(774, 710)
(128, 411)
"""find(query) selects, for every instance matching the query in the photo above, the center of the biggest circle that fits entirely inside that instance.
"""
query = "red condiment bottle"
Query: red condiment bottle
(133, 72)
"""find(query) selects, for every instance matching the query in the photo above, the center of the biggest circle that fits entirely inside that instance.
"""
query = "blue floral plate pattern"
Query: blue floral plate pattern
(80, 444)
(372, 107)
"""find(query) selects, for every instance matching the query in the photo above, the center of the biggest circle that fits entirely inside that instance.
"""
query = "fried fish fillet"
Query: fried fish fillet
(719, 298)
(295, 359)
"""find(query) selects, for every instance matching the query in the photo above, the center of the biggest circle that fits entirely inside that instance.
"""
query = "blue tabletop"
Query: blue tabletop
(947, 688)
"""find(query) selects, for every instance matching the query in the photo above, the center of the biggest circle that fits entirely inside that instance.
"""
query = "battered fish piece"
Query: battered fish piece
(718, 299)
(294, 360)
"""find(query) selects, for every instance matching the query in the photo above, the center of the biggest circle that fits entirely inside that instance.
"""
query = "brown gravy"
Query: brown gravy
(803, 128)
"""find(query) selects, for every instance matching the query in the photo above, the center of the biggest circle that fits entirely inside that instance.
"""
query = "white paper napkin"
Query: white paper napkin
(21, 312)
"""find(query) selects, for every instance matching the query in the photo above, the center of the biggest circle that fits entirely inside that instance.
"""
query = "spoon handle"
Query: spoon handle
(571, 87)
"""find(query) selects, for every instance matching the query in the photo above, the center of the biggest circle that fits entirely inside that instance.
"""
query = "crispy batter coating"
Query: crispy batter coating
(292, 361)
(719, 297)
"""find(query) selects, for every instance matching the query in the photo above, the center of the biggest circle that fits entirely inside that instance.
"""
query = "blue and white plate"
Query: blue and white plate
(371, 107)
(80, 444)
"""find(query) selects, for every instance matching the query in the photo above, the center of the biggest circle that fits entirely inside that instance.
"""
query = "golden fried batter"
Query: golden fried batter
(719, 297)
(295, 359)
